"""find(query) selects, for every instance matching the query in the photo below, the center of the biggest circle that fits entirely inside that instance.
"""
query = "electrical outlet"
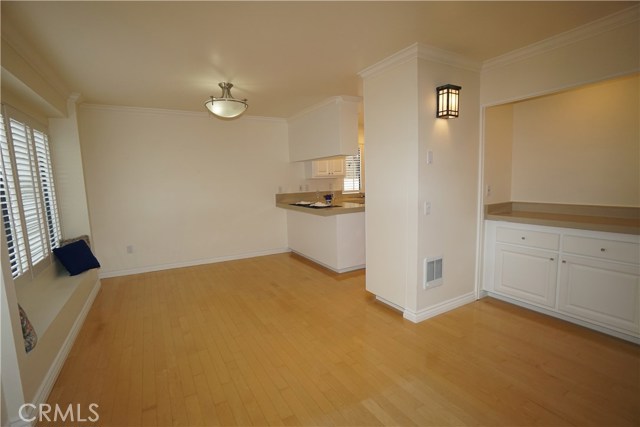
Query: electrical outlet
(427, 208)
(129, 249)
(488, 191)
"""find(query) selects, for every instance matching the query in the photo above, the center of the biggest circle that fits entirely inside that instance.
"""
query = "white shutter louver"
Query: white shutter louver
(352, 173)
(10, 206)
(28, 203)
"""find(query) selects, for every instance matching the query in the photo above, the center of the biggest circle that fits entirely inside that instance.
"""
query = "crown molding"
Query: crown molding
(421, 51)
(163, 111)
(592, 29)
(26, 51)
(432, 53)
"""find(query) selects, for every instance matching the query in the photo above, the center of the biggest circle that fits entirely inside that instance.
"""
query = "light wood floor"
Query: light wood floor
(276, 340)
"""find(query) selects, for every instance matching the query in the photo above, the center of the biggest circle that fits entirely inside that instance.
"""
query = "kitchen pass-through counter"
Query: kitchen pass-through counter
(344, 204)
(333, 237)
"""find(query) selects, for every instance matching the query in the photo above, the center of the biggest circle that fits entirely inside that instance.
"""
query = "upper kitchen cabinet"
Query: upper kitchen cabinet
(327, 129)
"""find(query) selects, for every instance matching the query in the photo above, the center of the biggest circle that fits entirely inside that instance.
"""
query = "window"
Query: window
(352, 178)
(27, 195)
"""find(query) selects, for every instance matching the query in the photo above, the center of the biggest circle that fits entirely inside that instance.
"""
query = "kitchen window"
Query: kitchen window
(27, 194)
(352, 176)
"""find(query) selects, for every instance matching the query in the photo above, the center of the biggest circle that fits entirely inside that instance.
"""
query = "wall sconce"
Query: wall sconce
(447, 105)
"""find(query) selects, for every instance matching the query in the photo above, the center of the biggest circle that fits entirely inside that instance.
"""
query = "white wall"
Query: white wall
(579, 147)
(182, 188)
(391, 134)
(69, 175)
(597, 51)
(498, 143)
(400, 127)
(450, 184)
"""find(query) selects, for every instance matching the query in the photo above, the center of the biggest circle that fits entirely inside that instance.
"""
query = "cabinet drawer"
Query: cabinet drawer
(534, 239)
(602, 248)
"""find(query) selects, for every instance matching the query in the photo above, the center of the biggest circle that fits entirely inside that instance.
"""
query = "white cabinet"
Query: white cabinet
(525, 273)
(327, 168)
(588, 277)
(336, 242)
(325, 130)
(600, 282)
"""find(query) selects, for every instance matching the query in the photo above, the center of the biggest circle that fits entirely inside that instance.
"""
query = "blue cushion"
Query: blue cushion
(76, 257)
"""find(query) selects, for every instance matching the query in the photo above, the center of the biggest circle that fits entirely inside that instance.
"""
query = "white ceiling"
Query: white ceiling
(282, 56)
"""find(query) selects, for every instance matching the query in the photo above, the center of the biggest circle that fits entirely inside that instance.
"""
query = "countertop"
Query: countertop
(612, 219)
(342, 206)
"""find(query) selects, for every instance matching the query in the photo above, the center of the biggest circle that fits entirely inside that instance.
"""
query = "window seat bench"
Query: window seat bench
(45, 297)
(56, 304)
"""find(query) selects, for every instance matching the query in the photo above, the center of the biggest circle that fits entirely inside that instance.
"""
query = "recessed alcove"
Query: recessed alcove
(576, 147)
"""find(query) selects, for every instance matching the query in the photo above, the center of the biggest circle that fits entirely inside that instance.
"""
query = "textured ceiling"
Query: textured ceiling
(282, 56)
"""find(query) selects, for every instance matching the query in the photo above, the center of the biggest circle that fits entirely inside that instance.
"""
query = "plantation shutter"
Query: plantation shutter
(10, 205)
(29, 208)
(50, 205)
(352, 173)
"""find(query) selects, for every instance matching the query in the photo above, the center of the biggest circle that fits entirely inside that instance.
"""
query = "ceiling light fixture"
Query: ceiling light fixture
(447, 105)
(226, 106)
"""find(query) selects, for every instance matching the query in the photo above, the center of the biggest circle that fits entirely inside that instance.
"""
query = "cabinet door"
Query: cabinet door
(601, 291)
(327, 168)
(320, 168)
(526, 274)
(336, 167)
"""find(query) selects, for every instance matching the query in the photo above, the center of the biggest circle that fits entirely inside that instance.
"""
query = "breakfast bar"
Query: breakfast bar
(332, 236)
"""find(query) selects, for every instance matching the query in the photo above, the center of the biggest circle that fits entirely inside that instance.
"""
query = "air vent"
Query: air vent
(432, 272)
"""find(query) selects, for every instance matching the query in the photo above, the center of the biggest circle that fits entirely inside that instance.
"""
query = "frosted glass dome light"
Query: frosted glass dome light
(226, 106)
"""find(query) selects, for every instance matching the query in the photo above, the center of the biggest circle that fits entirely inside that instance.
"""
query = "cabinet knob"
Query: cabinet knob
(551, 259)
(564, 262)
(522, 237)
(603, 250)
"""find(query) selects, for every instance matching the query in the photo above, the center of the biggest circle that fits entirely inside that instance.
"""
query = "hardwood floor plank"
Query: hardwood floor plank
(277, 340)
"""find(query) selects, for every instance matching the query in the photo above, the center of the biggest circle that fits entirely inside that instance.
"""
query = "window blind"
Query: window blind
(27, 195)
(352, 173)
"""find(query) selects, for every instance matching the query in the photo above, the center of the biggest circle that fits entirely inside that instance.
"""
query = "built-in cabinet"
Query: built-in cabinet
(589, 277)
(327, 168)
(334, 241)
(327, 129)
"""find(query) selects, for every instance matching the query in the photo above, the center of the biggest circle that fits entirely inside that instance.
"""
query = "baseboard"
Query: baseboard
(49, 380)
(390, 304)
(327, 266)
(443, 307)
(159, 267)
(595, 327)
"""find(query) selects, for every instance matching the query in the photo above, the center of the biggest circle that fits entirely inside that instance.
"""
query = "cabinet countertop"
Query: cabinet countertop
(612, 219)
(343, 208)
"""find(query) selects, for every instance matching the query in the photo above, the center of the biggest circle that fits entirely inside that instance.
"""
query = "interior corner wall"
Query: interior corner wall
(449, 184)
(498, 142)
(168, 189)
(69, 175)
